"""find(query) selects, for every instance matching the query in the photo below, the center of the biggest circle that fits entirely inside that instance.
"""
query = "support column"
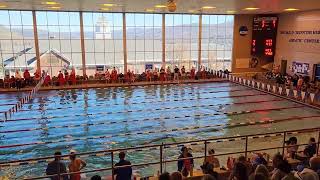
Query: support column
(199, 41)
(36, 40)
(83, 50)
(124, 34)
(163, 40)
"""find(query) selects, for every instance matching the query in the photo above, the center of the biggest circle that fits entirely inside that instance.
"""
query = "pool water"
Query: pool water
(58, 119)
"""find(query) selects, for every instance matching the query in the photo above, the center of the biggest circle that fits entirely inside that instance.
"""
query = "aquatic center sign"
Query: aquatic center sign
(313, 39)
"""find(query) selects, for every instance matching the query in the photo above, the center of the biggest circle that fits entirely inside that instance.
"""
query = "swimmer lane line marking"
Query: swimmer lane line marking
(204, 92)
(99, 104)
(127, 121)
(105, 113)
(201, 88)
(164, 130)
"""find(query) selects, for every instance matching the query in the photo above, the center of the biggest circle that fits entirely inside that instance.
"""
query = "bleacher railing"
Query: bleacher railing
(163, 146)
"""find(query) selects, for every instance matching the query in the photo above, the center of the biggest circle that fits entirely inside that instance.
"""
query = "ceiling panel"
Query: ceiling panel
(183, 6)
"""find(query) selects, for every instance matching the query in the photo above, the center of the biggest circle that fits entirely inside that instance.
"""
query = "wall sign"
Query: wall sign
(300, 68)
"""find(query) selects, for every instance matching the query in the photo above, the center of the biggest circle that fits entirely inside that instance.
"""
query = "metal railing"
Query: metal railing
(163, 146)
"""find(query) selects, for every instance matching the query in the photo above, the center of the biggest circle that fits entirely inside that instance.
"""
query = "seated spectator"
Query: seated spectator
(176, 176)
(248, 165)
(123, 173)
(208, 168)
(26, 76)
(311, 148)
(208, 177)
(164, 176)
(262, 169)
(185, 166)
(283, 171)
(292, 147)
(259, 159)
(258, 176)
(239, 172)
(57, 167)
(96, 177)
(212, 160)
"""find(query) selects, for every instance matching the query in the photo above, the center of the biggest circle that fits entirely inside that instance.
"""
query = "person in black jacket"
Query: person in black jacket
(57, 167)
(185, 166)
(123, 173)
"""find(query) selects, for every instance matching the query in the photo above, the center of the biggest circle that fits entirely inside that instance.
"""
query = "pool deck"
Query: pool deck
(101, 85)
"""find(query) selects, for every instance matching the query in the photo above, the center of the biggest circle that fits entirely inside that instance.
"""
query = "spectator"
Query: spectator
(192, 73)
(239, 172)
(18, 79)
(311, 148)
(168, 76)
(283, 171)
(208, 177)
(212, 160)
(61, 79)
(292, 147)
(248, 165)
(176, 74)
(164, 176)
(96, 177)
(162, 74)
(185, 166)
(176, 176)
(258, 176)
(57, 167)
(76, 165)
(259, 159)
(262, 169)
(72, 77)
(123, 173)
(183, 73)
(209, 169)
(26, 76)
(107, 76)
(114, 75)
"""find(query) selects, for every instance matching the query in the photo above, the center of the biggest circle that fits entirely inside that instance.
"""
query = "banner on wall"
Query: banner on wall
(300, 68)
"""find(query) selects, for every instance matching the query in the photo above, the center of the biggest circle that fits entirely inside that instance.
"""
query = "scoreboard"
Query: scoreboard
(264, 34)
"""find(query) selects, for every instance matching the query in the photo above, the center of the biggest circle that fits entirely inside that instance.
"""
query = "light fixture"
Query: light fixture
(3, 6)
(109, 5)
(160, 6)
(231, 12)
(192, 11)
(291, 9)
(104, 9)
(54, 7)
(208, 7)
(50, 3)
(251, 8)
(149, 10)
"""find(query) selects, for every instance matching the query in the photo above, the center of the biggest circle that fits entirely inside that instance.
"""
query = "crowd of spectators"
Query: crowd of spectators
(65, 78)
(258, 167)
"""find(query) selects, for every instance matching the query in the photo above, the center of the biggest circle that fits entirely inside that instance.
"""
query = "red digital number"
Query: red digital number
(268, 42)
(274, 23)
(268, 52)
(253, 42)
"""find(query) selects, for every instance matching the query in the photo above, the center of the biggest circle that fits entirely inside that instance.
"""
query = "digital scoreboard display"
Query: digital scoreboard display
(264, 34)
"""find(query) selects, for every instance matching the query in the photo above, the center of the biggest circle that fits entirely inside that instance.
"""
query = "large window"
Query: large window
(16, 42)
(59, 41)
(144, 41)
(217, 41)
(103, 33)
(182, 33)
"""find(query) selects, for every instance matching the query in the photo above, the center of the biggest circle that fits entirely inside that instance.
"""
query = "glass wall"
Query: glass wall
(60, 44)
(217, 41)
(144, 41)
(16, 42)
(103, 33)
(182, 34)
(59, 41)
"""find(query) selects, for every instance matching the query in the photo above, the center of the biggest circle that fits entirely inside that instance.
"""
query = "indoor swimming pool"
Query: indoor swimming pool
(104, 118)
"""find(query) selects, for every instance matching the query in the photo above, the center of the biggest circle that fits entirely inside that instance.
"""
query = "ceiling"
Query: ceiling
(183, 6)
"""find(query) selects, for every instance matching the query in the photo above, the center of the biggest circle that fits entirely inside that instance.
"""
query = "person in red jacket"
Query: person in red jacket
(73, 77)
(37, 75)
(47, 80)
(193, 73)
(61, 79)
(114, 75)
(26, 76)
